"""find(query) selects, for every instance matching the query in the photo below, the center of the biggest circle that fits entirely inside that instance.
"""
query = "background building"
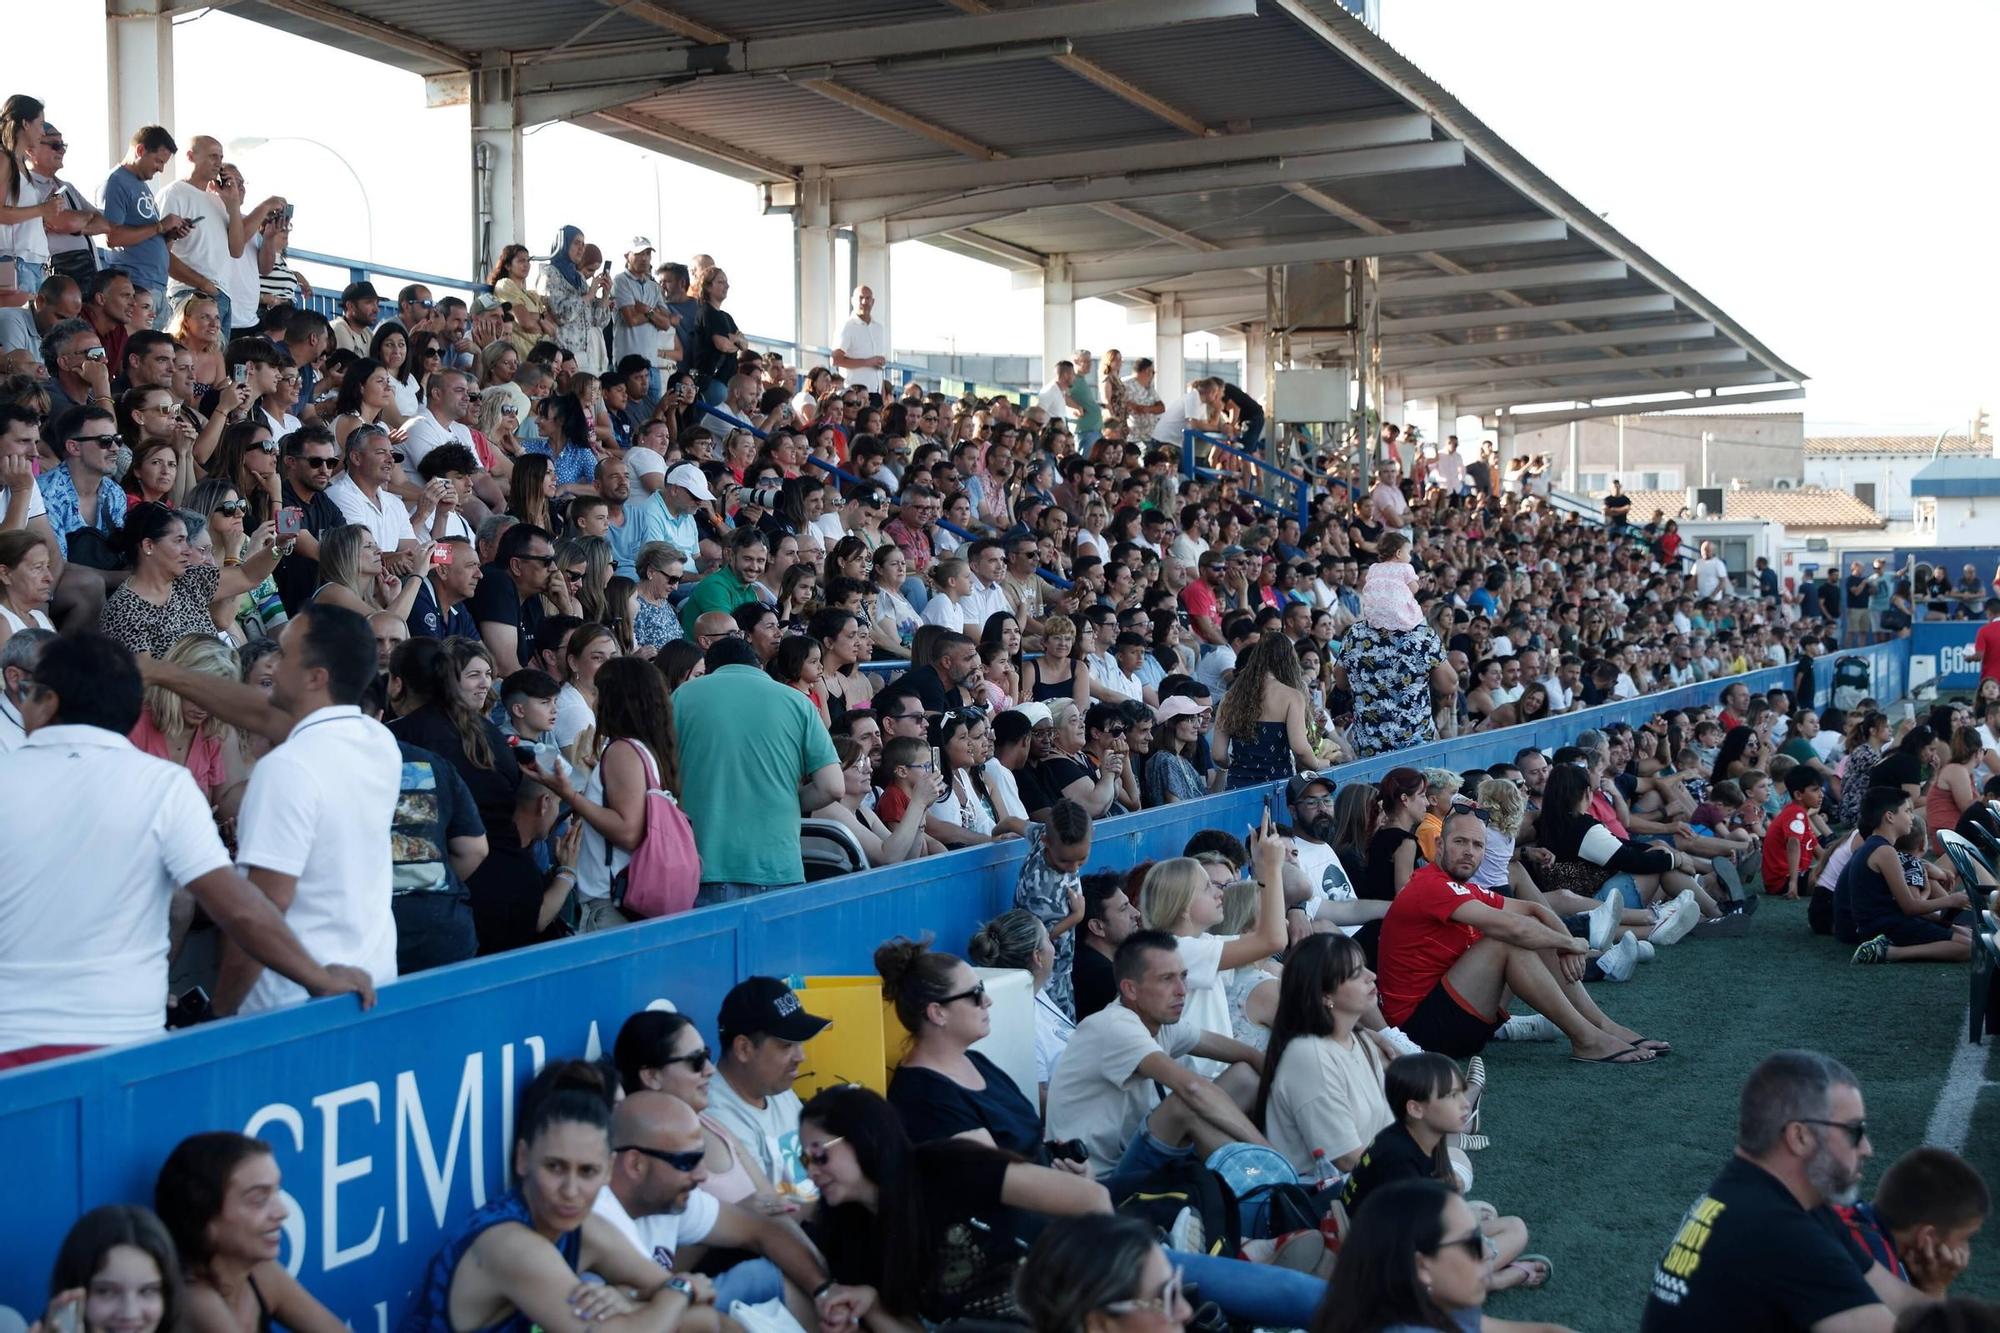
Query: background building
(1660, 452)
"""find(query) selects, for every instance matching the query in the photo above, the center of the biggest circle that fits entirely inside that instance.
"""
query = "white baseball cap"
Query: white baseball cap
(689, 478)
(1036, 713)
(640, 245)
(645, 462)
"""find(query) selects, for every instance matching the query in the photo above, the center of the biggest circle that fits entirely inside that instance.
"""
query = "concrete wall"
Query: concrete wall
(1757, 450)
(1890, 477)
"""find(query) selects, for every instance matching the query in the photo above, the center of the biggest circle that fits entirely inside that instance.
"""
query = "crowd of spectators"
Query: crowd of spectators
(454, 626)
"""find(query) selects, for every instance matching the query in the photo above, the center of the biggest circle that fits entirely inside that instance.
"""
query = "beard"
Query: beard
(1837, 1184)
(1319, 829)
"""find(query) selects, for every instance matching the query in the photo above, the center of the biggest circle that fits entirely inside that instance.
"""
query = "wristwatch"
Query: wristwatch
(682, 1285)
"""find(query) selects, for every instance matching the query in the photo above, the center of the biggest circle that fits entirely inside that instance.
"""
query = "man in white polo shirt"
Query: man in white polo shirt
(362, 494)
(93, 862)
(312, 830)
(864, 344)
(447, 405)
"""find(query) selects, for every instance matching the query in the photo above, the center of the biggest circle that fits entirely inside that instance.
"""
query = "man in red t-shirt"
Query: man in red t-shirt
(1986, 643)
(1451, 951)
(1199, 599)
(1790, 843)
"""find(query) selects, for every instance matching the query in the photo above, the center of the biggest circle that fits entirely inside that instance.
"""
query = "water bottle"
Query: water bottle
(1325, 1174)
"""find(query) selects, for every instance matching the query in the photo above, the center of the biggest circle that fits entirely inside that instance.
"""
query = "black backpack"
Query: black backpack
(1187, 1186)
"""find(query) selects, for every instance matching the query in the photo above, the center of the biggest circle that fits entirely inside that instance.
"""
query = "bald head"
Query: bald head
(649, 1119)
(712, 625)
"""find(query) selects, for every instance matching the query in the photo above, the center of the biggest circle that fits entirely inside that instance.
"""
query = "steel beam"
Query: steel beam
(1593, 393)
(1510, 279)
(1532, 314)
(1532, 420)
(1271, 170)
(1172, 154)
(1137, 267)
(1489, 348)
(383, 34)
(1556, 370)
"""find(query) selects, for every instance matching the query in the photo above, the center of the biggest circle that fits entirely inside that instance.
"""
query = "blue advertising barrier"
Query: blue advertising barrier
(1946, 643)
(390, 1126)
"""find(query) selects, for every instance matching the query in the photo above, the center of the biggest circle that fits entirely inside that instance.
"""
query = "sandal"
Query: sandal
(1631, 1055)
(1471, 1142)
(1548, 1270)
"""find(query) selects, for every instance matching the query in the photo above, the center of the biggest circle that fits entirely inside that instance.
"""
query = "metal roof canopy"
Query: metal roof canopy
(1159, 150)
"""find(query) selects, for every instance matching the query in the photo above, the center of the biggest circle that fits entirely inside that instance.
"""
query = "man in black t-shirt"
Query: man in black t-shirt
(507, 605)
(1108, 917)
(1762, 1250)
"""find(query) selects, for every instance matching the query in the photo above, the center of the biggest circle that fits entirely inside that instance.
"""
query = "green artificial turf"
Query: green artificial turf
(1602, 1161)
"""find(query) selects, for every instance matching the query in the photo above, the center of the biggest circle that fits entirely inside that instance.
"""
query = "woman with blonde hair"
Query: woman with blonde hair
(1056, 674)
(1018, 939)
(1262, 730)
(351, 574)
(183, 733)
(197, 326)
(1184, 897)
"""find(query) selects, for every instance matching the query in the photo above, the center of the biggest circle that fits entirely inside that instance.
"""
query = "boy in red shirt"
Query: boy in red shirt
(1789, 841)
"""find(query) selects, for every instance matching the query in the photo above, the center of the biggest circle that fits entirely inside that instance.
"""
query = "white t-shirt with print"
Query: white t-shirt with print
(660, 1236)
(770, 1134)
(1326, 877)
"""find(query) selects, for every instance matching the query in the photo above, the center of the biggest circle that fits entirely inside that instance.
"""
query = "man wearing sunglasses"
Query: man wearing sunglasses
(654, 1199)
(1763, 1248)
(310, 459)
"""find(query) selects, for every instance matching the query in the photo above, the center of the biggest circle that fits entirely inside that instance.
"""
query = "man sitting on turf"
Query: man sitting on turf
(1874, 909)
(1928, 1206)
(1452, 951)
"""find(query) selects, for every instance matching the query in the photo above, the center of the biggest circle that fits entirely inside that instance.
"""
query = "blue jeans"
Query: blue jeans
(715, 392)
(715, 891)
(752, 1282)
(1624, 886)
(28, 276)
(432, 930)
(916, 593)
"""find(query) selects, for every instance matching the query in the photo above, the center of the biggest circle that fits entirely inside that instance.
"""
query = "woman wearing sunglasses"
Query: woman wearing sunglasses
(1100, 1274)
(664, 1052)
(1420, 1263)
(260, 613)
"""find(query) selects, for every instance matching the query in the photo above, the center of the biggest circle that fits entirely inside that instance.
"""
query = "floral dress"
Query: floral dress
(580, 320)
(1389, 673)
(654, 625)
(1861, 761)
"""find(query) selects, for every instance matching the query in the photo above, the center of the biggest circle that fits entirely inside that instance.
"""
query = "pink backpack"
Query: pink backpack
(665, 871)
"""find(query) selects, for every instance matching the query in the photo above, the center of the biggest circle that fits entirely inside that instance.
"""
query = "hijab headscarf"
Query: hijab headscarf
(560, 260)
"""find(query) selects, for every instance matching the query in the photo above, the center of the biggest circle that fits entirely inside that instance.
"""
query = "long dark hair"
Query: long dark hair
(1422, 1077)
(472, 728)
(633, 704)
(566, 1092)
(349, 398)
(191, 1187)
(1733, 746)
(18, 110)
(94, 1235)
(1375, 1283)
(1317, 966)
(874, 1133)
(524, 490)
(646, 1041)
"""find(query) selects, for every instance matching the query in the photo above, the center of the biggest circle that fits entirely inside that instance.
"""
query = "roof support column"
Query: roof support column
(871, 270)
(1393, 406)
(139, 42)
(1058, 314)
(813, 237)
(1257, 364)
(499, 190)
(1169, 365)
(1447, 406)
(1506, 434)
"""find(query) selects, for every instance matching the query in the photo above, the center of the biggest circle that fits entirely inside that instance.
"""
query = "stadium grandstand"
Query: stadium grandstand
(545, 808)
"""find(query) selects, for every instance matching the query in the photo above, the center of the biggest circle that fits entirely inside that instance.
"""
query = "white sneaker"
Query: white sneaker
(1397, 1038)
(1675, 918)
(1604, 921)
(1527, 1027)
(1646, 950)
(1619, 961)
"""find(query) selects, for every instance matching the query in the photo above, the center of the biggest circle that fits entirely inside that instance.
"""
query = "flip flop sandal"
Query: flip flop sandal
(1548, 1270)
(1656, 1047)
(1616, 1058)
(1472, 1142)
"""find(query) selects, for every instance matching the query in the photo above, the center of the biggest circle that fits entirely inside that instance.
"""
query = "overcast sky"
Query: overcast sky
(1822, 171)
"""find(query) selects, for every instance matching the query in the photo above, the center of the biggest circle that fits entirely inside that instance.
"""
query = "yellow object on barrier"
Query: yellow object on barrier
(864, 1043)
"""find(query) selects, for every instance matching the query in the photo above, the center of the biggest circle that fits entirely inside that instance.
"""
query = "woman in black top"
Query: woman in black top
(1401, 800)
(717, 344)
(1904, 766)
(918, 1233)
(452, 687)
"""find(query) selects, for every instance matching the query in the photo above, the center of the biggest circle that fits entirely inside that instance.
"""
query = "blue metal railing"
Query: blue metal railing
(1301, 486)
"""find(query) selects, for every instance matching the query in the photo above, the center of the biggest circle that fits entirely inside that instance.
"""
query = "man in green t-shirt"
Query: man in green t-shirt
(1090, 416)
(753, 755)
(732, 585)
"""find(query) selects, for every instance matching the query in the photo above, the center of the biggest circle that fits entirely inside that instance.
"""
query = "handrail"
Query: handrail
(1301, 485)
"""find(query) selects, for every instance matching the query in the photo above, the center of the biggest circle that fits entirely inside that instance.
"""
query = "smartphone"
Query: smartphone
(288, 212)
(241, 374)
(937, 762)
(291, 521)
(440, 555)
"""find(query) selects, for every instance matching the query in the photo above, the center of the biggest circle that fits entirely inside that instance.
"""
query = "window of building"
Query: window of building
(1926, 514)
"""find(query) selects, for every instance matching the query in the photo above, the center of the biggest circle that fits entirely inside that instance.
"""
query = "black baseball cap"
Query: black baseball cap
(358, 291)
(762, 1006)
(1296, 789)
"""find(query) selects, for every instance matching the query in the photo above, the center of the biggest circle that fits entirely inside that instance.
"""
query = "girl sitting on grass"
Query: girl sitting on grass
(1427, 1097)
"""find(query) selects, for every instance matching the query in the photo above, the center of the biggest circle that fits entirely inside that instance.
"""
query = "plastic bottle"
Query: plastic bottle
(1325, 1174)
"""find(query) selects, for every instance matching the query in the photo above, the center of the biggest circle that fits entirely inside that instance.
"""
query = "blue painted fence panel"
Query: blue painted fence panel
(393, 1124)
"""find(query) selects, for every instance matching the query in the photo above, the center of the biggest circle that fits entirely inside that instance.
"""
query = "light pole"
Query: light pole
(367, 208)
